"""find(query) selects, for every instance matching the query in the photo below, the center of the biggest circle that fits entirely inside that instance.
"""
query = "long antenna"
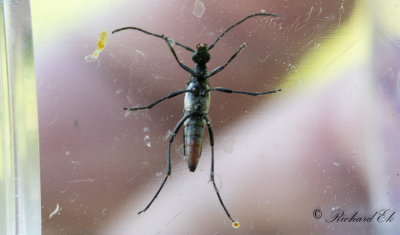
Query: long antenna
(237, 23)
(152, 34)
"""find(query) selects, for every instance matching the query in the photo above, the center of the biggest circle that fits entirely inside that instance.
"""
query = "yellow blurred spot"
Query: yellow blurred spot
(101, 44)
(235, 224)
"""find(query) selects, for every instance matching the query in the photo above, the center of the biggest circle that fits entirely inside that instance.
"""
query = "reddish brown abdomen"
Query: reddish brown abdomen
(193, 132)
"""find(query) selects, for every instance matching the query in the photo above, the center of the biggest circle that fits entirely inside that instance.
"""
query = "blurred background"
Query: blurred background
(328, 140)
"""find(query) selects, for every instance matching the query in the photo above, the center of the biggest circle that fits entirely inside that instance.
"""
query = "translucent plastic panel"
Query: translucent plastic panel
(19, 154)
(285, 163)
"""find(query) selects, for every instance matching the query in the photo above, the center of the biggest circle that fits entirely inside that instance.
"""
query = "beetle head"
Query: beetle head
(201, 56)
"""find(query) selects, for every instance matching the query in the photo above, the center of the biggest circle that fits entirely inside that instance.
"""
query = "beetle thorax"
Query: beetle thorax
(200, 72)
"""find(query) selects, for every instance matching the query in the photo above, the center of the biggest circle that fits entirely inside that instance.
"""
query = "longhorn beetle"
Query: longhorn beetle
(196, 104)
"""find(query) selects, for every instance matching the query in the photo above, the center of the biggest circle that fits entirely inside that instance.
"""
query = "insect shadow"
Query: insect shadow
(196, 104)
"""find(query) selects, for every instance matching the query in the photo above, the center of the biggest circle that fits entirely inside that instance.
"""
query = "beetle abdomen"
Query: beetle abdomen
(194, 133)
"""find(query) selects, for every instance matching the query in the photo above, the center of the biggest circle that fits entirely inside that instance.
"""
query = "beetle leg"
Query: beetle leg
(180, 123)
(226, 90)
(185, 67)
(184, 146)
(220, 68)
(210, 132)
(173, 94)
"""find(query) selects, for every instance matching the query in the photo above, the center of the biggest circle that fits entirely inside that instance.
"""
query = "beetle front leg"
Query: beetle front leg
(220, 68)
(185, 67)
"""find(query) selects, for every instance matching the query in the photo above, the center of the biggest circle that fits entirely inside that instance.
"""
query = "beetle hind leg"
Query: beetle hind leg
(184, 146)
(177, 127)
(210, 132)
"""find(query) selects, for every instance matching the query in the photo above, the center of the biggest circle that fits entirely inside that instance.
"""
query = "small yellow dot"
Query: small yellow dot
(235, 224)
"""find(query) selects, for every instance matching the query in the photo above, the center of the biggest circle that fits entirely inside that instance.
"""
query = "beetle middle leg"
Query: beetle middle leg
(177, 127)
(226, 90)
(173, 94)
(210, 132)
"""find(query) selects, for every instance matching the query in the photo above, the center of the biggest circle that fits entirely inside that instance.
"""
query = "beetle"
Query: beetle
(196, 104)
